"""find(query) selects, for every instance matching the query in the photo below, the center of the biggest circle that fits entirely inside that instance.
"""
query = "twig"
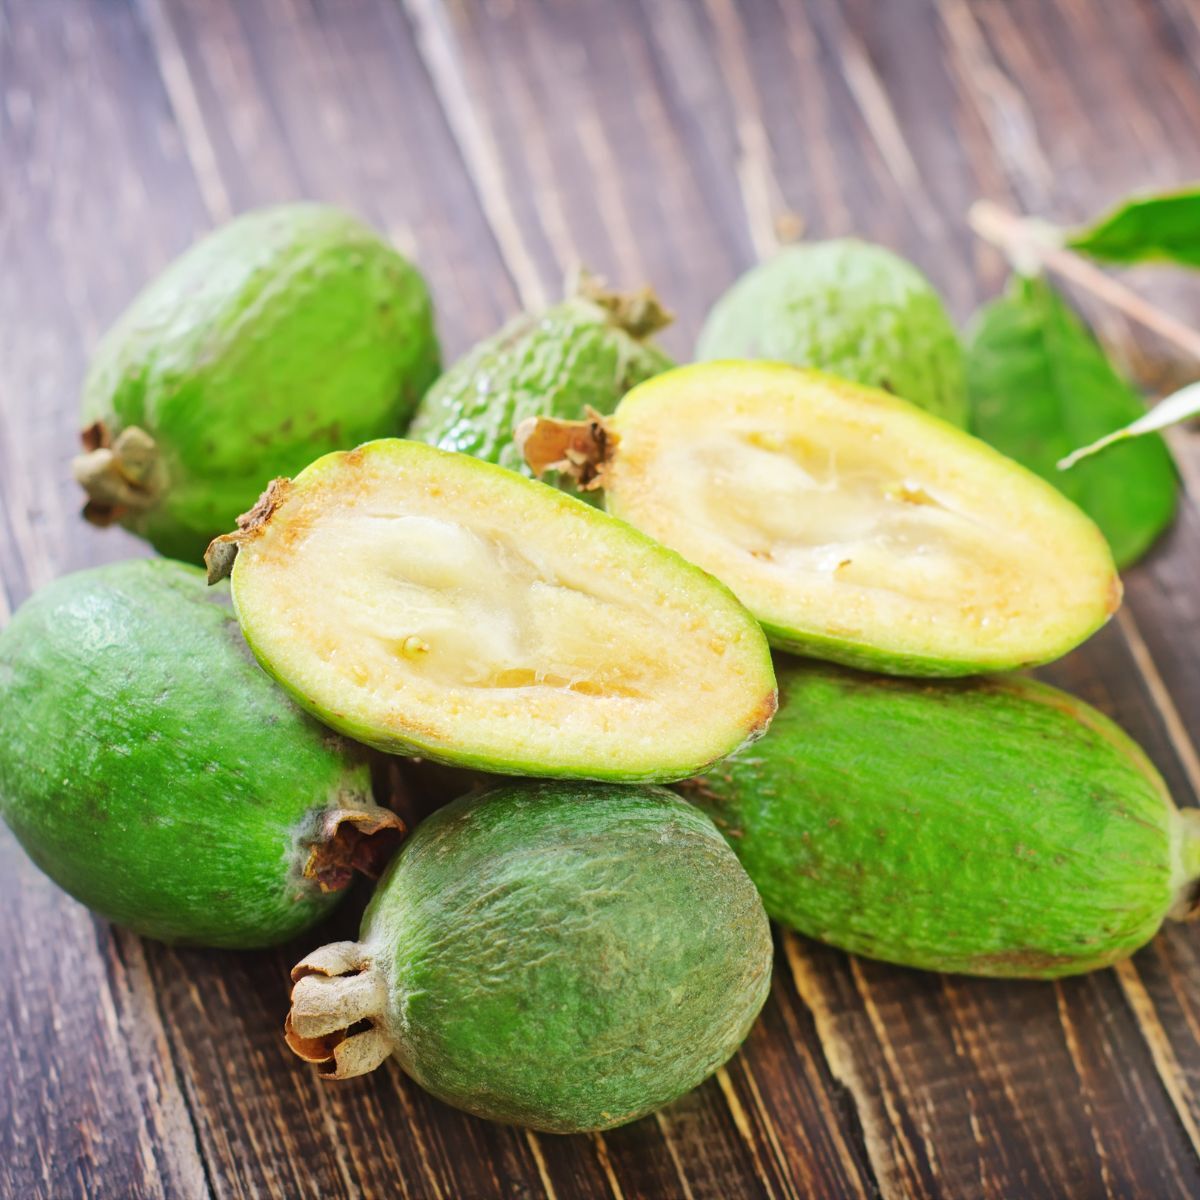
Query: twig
(1027, 240)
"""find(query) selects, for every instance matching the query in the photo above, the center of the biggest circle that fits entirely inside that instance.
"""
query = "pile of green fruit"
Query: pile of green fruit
(190, 757)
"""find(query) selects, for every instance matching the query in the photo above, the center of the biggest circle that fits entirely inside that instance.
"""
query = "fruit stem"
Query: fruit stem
(120, 476)
(349, 840)
(335, 989)
(221, 552)
(580, 450)
(639, 313)
(1187, 869)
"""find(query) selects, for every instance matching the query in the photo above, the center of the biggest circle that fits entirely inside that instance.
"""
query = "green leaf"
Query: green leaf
(1179, 406)
(1039, 386)
(1162, 228)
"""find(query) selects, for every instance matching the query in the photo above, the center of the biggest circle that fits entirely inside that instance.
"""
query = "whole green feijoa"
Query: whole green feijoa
(562, 956)
(584, 353)
(155, 772)
(995, 827)
(287, 333)
(851, 309)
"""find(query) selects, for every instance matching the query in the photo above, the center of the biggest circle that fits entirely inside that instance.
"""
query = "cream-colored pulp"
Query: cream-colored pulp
(533, 628)
(867, 524)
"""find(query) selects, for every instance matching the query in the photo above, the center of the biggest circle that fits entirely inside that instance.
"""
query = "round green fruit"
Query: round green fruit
(583, 354)
(432, 604)
(287, 333)
(998, 827)
(562, 956)
(851, 309)
(152, 770)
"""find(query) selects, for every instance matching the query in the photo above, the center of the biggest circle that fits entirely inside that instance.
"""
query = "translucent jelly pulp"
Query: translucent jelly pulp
(426, 599)
(835, 513)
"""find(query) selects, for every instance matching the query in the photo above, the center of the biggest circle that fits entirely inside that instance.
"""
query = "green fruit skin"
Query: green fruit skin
(557, 364)
(997, 827)
(851, 309)
(289, 332)
(153, 770)
(568, 956)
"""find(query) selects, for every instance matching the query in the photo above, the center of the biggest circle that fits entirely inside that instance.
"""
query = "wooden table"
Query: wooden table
(498, 142)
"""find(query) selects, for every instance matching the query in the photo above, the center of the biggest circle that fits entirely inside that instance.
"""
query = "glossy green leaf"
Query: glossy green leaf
(1040, 386)
(1182, 405)
(1162, 228)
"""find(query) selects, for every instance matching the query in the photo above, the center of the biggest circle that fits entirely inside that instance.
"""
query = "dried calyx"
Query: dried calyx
(641, 314)
(221, 552)
(120, 475)
(579, 450)
(337, 1016)
(349, 840)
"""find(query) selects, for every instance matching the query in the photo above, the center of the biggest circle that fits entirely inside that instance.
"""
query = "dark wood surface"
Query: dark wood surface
(498, 142)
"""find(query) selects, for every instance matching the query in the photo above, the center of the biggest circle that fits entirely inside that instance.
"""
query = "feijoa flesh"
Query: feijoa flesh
(155, 772)
(287, 333)
(992, 827)
(584, 353)
(562, 956)
(429, 603)
(855, 526)
(851, 309)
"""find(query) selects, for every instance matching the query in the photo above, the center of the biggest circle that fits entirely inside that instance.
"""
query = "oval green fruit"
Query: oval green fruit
(287, 333)
(998, 827)
(582, 354)
(851, 309)
(429, 603)
(853, 525)
(562, 956)
(152, 770)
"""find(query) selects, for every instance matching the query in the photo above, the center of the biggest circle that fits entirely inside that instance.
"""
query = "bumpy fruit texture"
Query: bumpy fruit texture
(851, 309)
(854, 526)
(429, 603)
(998, 827)
(562, 956)
(582, 354)
(152, 770)
(288, 333)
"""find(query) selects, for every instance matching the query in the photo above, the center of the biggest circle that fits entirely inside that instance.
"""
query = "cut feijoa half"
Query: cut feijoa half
(855, 526)
(429, 603)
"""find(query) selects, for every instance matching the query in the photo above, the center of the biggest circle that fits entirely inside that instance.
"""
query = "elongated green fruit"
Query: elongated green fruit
(429, 603)
(562, 956)
(582, 354)
(995, 828)
(152, 770)
(853, 525)
(851, 309)
(287, 333)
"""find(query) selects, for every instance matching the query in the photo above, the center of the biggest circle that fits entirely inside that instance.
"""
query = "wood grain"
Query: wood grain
(501, 143)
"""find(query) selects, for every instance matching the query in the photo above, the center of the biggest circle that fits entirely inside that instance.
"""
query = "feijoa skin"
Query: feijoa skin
(155, 772)
(998, 827)
(562, 956)
(851, 309)
(853, 525)
(432, 604)
(582, 354)
(289, 332)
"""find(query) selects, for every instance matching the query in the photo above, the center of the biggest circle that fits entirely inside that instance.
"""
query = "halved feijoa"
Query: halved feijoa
(152, 770)
(426, 602)
(853, 525)
(560, 955)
